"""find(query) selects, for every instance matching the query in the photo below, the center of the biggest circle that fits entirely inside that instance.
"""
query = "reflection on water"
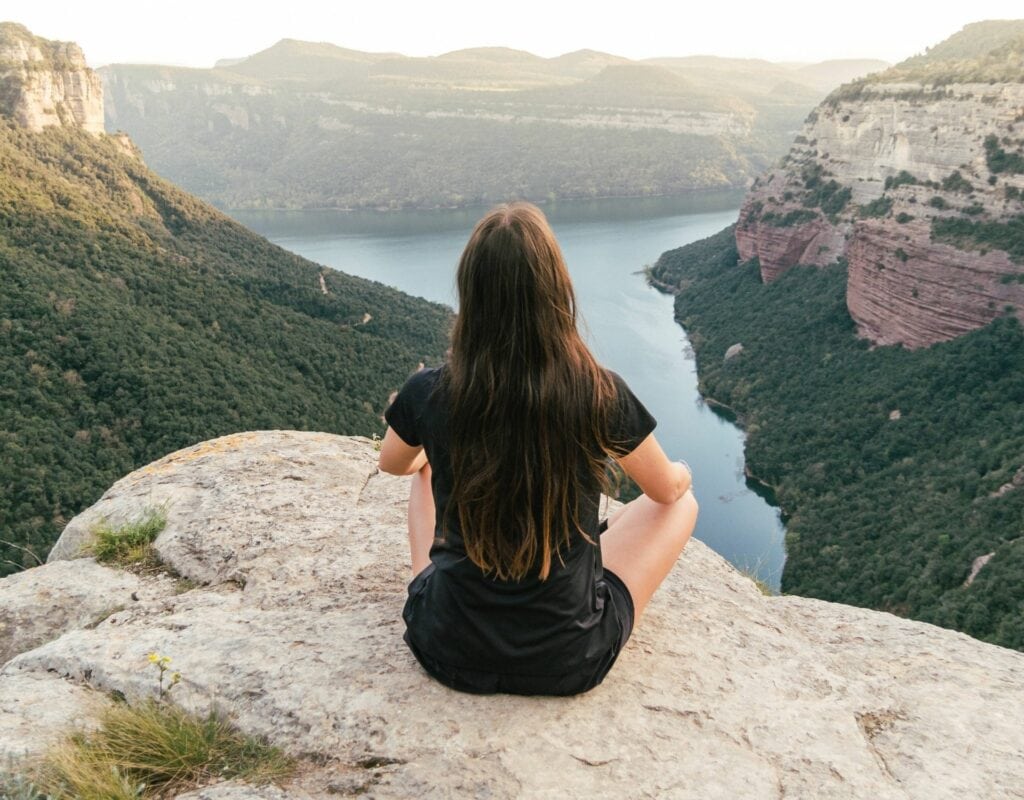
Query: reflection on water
(629, 325)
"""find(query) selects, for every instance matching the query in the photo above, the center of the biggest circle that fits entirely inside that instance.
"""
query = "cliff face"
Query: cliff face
(296, 551)
(44, 83)
(918, 184)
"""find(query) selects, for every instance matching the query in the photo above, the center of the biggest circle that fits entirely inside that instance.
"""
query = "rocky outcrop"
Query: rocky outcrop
(44, 83)
(876, 164)
(295, 632)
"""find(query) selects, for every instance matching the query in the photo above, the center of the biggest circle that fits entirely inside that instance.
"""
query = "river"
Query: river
(629, 326)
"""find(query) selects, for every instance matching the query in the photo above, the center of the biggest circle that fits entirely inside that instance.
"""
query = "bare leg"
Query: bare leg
(421, 520)
(643, 541)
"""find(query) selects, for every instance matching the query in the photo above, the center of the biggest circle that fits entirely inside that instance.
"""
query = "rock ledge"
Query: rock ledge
(299, 544)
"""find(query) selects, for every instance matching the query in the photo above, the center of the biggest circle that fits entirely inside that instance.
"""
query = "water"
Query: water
(629, 326)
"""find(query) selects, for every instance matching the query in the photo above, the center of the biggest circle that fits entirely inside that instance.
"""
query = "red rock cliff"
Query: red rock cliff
(918, 186)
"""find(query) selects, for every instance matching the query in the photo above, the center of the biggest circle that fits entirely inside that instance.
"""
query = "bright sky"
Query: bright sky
(194, 33)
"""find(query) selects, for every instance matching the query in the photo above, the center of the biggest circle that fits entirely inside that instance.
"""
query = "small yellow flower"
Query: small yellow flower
(153, 658)
(175, 677)
(165, 660)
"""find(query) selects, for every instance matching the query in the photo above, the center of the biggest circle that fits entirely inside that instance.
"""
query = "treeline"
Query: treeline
(382, 161)
(136, 320)
(889, 463)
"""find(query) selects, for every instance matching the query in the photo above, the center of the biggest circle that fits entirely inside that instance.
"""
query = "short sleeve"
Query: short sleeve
(631, 422)
(405, 413)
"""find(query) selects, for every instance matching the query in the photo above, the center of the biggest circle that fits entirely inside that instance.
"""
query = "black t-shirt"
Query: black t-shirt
(464, 619)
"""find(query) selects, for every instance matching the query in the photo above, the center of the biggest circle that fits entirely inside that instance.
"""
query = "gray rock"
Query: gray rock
(37, 708)
(721, 691)
(235, 790)
(977, 566)
(39, 604)
(733, 351)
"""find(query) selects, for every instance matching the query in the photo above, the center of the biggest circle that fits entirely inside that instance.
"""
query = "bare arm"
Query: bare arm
(399, 458)
(661, 480)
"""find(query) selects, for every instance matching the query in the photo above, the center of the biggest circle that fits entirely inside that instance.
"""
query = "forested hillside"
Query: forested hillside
(897, 468)
(135, 320)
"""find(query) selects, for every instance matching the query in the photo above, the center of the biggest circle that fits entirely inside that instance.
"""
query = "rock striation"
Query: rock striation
(296, 548)
(916, 179)
(45, 83)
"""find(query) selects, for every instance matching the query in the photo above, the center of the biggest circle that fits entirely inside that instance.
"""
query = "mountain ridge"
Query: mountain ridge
(384, 131)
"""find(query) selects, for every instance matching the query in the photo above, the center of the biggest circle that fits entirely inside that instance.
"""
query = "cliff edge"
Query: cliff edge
(292, 548)
(44, 83)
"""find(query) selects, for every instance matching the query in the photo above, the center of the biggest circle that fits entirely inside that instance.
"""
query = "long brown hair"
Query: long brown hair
(529, 405)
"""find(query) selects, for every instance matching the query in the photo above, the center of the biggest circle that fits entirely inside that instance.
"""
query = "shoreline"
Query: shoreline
(760, 487)
(543, 203)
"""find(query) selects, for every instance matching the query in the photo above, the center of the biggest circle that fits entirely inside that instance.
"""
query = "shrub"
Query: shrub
(797, 216)
(129, 544)
(999, 160)
(879, 207)
(965, 233)
(901, 178)
(955, 182)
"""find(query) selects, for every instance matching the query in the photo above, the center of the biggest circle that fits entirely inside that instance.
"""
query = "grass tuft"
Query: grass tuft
(753, 572)
(130, 544)
(155, 749)
(14, 786)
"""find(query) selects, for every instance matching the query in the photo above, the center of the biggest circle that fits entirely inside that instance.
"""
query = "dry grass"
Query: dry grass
(155, 749)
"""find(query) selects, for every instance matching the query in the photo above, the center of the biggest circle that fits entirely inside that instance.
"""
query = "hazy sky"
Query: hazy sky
(193, 33)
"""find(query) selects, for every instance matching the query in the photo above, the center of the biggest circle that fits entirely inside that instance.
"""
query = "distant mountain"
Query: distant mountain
(306, 124)
(136, 319)
(292, 60)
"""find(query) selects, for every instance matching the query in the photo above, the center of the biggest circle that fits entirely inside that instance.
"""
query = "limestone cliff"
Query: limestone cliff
(295, 548)
(915, 176)
(45, 83)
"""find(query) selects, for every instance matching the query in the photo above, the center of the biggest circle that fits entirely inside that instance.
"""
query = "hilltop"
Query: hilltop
(983, 52)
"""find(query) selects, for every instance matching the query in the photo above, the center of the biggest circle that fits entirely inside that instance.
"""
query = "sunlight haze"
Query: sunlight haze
(190, 33)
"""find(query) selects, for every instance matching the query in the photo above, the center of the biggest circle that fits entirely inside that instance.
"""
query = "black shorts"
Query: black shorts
(619, 603)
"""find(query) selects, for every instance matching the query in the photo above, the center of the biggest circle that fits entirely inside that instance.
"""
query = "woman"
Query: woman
(517, 587)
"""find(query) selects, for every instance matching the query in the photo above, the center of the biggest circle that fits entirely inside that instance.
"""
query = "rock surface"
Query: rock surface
(903, 287)
(44, 83)
(296, 634)
(40, 604)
